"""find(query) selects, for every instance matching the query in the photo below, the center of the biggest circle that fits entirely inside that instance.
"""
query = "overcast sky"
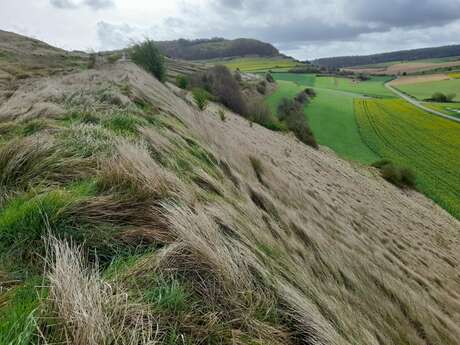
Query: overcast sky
(305, 29)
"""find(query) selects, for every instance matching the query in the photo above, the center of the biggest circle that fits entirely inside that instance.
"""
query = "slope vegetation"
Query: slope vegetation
(130, 217)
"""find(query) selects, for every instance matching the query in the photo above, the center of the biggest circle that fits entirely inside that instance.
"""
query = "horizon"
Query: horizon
(299, 30)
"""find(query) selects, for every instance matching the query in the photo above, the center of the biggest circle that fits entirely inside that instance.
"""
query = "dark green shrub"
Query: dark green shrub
(269, 78)
(262, 87)
(200, 97)
(442, 98)
(301, 97)
(113, 58)
(182, 81)
(149, 57)
(397, 175)
(91, 61)
(222, 115)
(259, 112)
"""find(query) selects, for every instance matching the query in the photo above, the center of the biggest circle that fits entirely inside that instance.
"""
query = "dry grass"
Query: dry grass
(88, 310)
(328, 254)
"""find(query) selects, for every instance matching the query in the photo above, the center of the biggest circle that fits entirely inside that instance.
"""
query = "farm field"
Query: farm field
(374, 87)
(455, 75)
(331, 117)
(259, 64)
(396, 130)
(447, 108)
(425, 90)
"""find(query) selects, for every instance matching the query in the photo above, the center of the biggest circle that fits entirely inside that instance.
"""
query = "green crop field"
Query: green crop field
(330, 115)
(396, 130)
(259, 64)
(374, 87)
(425, 90)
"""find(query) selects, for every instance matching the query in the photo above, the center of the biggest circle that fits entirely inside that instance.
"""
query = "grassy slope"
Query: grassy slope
(398, 131)
(425, 90)
(330, 115)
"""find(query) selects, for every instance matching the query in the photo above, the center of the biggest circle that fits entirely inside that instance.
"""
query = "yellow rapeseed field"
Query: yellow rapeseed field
(396, 130)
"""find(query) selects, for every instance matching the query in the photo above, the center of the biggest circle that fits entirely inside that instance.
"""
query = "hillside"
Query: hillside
(403, 55)
(204, 49)
(128, 216)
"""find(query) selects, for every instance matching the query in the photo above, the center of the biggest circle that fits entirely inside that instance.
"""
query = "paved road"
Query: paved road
(420, 105)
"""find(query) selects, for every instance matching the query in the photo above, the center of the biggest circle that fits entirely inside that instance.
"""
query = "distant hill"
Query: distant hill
(403, 55)
(203, 49)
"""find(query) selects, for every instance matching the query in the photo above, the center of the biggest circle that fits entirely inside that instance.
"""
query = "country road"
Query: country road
(419, 104)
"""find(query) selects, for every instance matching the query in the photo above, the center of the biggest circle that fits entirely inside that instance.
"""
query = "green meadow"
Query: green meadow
(425, 90)
(330, 114)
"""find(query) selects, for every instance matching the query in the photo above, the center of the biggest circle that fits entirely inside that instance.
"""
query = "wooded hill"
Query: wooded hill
(403, 55)
(203, 49)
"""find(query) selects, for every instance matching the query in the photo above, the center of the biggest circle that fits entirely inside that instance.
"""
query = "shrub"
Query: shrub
(397, 175)
(301, 97)
(260, 113)
(237, 76)
(310, 92)
(220, 82)
(442, 98)
(181, 81)
(113, 58)
(91, 61)
(269, 78)
(200, 97)
(262, 87)
(222, 115)
(149, 57)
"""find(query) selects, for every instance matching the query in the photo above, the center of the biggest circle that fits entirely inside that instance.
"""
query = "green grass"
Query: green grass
(259, 64)
(374, 87)
(18, 316)
(331, 117)
(452, 109)
(425, 90)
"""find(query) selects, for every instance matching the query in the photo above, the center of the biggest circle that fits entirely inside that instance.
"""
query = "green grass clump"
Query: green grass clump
(397, 175)
(19, 315)
(169, 295)
(182, 81)
(86, 140)
(149, 57)
(200, 97)
(123, 123)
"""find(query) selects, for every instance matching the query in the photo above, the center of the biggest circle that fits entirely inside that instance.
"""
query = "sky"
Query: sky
(305, 29)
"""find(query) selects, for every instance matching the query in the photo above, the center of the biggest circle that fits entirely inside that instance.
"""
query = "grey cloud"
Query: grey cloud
(99, 4)
(64, 4)
(404, 13)
(93, 4)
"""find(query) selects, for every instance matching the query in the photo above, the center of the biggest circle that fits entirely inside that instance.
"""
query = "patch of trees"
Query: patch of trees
(441, 97)
(203, 49)
(403, 55)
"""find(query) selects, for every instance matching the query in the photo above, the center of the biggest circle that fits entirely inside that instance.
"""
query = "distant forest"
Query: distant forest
(203, 49)
(403, 55)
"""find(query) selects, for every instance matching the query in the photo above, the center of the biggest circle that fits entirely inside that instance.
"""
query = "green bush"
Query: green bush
(200, 97)
(182, 81)
(222, 115)
(113, 57)
(442, 98)
(269, 78)
(149, 57)
(259, 112)
(402, 177)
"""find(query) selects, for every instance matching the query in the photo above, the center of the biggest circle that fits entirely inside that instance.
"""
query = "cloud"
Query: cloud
(73, 4)
(64, 4)
(405, 13)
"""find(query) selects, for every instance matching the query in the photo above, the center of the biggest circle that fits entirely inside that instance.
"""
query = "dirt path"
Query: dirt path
(419, 104)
